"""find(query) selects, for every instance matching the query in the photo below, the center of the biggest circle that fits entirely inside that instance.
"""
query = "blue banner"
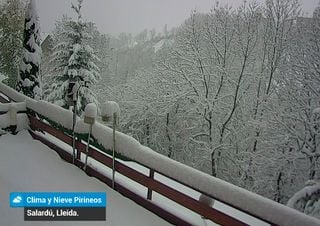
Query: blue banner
(58, 199)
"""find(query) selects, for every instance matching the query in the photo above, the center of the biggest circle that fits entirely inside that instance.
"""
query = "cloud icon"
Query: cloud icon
(17, 199)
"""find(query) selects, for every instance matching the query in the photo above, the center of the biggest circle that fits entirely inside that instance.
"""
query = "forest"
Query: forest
(233, 92)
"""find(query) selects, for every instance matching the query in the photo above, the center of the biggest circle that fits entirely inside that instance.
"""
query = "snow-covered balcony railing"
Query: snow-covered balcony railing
(151, 173)
(13, 116)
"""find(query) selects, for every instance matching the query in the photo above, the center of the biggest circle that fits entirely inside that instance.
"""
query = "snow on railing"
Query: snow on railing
(223, 191)
(52, 112)
(13, 94)
(13, 116)
(19, 107)
(241, 199)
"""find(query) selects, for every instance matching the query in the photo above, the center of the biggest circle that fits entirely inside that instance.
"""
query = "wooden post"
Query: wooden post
(151, 175)
(114, 147)
(13, 118)
(78, 152)
(208, 201)
(73, 132)
(87, 149)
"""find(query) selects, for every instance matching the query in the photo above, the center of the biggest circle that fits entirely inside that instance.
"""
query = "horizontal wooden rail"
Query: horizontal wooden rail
(162, 213)
(3, 100)
(37, 124)
(61, 152)
(172, 194)
(154, 185)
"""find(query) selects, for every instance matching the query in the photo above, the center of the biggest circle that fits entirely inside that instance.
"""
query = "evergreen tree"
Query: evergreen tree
(73, 60)
(11, 35)
(307, 200)
(29, 81)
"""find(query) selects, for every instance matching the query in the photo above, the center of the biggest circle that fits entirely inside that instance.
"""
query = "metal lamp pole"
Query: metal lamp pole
(75, 90)
(114, 147)
(110, 110)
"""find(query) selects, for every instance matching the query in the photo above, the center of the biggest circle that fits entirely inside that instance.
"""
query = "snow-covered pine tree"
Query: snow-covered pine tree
(307, 200)
(12, 15)
(73, 59)
(29, 81)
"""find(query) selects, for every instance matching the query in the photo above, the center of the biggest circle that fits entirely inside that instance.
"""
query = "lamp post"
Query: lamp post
(110, 111)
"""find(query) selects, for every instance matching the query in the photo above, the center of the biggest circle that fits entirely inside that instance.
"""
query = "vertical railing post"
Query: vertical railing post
(151, 175)
(77, 144)
(13, 118)
(87, 148)
(74, 119)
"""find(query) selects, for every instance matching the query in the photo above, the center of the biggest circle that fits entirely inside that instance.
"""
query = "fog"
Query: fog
(116, 16)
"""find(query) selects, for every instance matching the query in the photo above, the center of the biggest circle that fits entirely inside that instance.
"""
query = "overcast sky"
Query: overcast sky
(115, 16)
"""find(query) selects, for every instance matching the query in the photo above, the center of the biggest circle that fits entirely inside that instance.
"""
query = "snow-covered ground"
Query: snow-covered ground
(28, 165)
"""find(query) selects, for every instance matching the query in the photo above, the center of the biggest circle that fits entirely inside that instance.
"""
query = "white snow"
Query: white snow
(158, 45)
(28, 165)
(34, 57)
(131, 148)
(22, 122)
(108, 108)
(162, 43)
(52, 112)
(27, 83)
(238, 197)
(25, 67)
(33, 44)
(33, 54)
(2, 132)
(187, 214)
(31, 13)
(91, 110)
(103, 135)
(163, 202)
(316, 111)
(19, 106)
(139, 189)
(72, 73)
(13, 94)
(12, 118)
(38, 92)
(2, 77)
(307, 200)
(44, 36)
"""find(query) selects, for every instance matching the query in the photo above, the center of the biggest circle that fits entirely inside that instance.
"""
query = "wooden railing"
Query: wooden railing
(153, 185)
(4, 100)
(11, 113)
(147, 181)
